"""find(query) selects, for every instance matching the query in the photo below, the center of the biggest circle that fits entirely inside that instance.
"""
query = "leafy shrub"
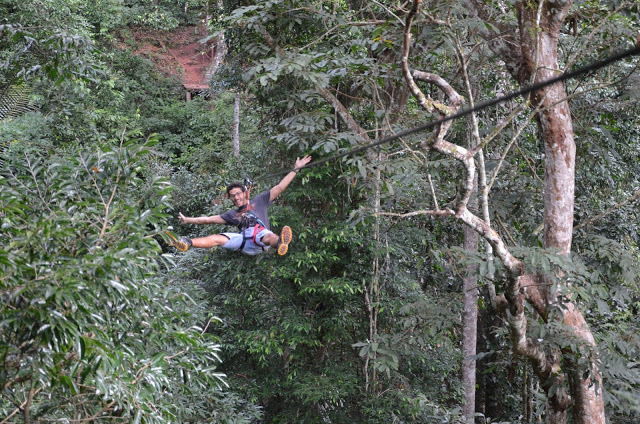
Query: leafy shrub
(89, 329)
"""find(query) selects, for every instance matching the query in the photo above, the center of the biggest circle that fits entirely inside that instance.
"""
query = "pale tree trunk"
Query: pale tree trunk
(438, 143)
(469, 329)
(556, 128)
(470, 284)
(219, 47)
(372, 293)
(236, 125)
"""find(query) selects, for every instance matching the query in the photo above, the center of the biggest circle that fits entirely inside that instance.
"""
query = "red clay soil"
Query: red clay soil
(178, 53)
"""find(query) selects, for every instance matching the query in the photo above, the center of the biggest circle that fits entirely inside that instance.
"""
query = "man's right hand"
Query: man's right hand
(182, 218)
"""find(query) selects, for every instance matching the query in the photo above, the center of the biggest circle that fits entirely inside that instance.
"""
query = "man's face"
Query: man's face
(237, 197)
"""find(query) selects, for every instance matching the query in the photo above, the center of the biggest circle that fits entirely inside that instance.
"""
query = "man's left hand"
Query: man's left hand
(300, 163)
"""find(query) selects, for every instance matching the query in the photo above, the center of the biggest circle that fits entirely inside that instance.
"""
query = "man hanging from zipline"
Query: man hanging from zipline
(250, 216)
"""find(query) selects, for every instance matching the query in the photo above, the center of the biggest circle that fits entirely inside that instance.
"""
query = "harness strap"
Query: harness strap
(256, 230)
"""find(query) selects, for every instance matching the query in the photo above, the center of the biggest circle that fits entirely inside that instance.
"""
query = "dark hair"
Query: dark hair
(233, 185)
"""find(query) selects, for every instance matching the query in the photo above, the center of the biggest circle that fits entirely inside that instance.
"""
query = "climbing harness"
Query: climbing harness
(247, 221)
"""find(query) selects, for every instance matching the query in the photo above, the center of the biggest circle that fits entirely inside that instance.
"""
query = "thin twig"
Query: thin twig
(35, 180)
(424, 162)
(504, 227)
(206, 326)
(511, 142)
(174, 355)
(389, 11)
(633, 198)
(529, 164)
(100, 412)
(439, 212)
(113, 193)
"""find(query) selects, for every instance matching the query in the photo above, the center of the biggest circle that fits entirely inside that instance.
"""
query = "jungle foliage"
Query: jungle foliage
(360, 322)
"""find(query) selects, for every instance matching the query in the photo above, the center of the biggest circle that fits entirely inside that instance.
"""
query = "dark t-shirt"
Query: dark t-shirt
(259, 205)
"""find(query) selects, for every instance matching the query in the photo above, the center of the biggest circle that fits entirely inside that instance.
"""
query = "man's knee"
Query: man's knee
(220, 239)
(270, 239)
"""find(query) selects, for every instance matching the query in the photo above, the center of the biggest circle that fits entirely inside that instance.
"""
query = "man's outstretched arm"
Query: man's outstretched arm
(215, 219)
(277, 190)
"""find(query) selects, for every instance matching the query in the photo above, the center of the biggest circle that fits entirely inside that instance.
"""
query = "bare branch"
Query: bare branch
(443, 85)
(635, 196)
(389, 11)
(482, 174)
(437, 212)
(433, 190)
(511, 142)
(438, 143)
(502, 125)
(106, 408)
(343, 112)
(506, 231)
(423, 101)
(107, 211)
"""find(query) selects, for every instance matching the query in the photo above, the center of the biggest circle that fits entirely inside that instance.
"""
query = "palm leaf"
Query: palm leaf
(14, 101)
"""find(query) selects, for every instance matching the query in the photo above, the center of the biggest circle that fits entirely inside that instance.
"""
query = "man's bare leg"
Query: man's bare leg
(209, 241)
(280, 242)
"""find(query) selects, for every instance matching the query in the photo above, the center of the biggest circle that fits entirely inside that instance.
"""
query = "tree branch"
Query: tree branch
(612, 209)
(437, 212)
(482, 174)
(35, 180)
(514, 296)
(18, 409)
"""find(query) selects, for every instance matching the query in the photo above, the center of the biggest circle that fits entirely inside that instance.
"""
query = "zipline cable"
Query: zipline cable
(483, 105)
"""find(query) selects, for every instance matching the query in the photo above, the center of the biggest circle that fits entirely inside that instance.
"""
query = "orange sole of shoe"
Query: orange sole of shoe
(174, 242)
(183, 247)
(286, 235)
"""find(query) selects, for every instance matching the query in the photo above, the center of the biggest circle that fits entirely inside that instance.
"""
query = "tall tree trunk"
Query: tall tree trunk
(488, 399)
(540, 26)
(470, 286)
(219, 47)
(372, 293)
(469, 329)
(470, 316)
(236, 125)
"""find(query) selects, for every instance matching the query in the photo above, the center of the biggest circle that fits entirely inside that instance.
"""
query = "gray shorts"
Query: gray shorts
(250, 248)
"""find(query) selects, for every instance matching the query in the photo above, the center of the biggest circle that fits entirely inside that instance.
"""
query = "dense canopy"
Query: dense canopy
(484, 269)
